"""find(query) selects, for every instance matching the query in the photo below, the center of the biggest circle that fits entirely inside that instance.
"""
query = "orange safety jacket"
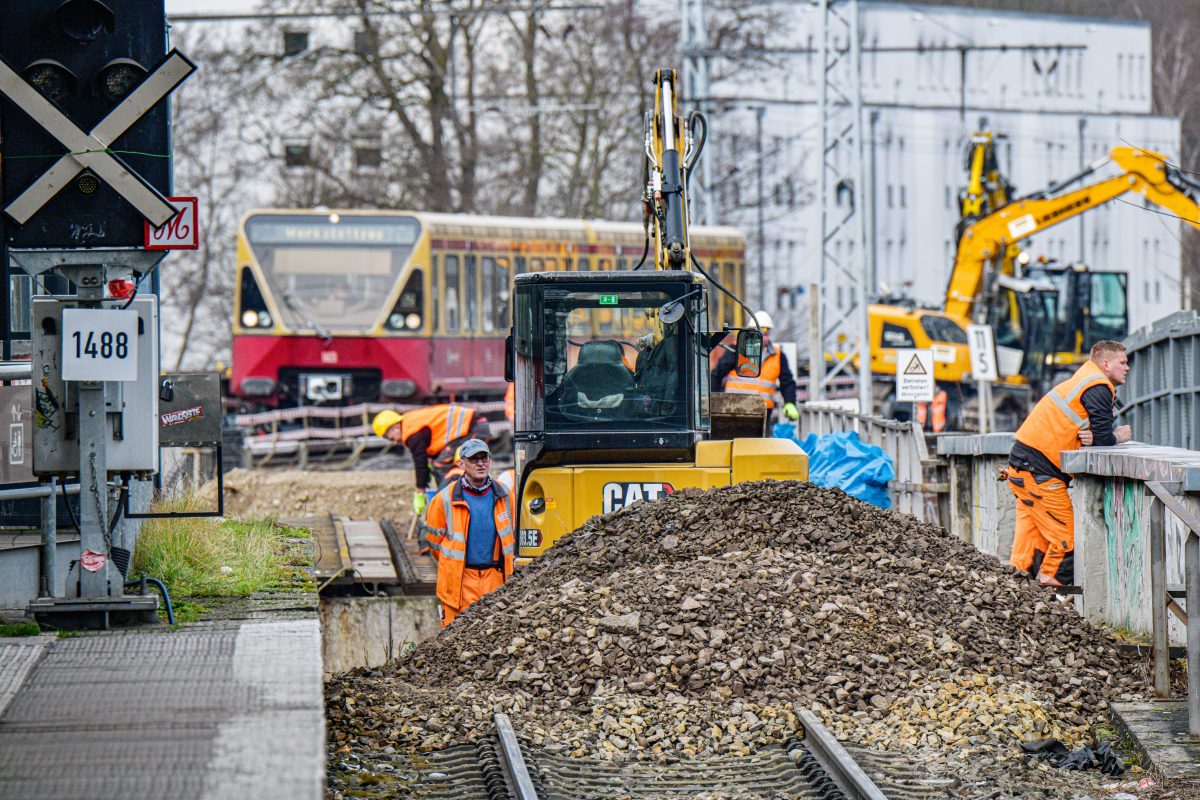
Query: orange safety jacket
(1056, 420)
(766, 384)
(445, 422)
(448, 537)
(510, 402)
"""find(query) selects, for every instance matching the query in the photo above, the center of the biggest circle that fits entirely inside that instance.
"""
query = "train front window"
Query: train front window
(331, 272)
(608, 363)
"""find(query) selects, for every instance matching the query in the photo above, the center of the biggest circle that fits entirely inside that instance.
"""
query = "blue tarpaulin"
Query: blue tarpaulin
(843, 461)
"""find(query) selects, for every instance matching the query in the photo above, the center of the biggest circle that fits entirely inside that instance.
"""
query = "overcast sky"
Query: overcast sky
(208, 6)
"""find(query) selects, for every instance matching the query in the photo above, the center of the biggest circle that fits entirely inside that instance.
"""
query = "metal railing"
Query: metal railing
(920, 487)
(1162, 396)
(1163, 597)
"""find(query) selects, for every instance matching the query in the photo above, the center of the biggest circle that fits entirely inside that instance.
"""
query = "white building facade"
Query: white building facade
(1059, 92)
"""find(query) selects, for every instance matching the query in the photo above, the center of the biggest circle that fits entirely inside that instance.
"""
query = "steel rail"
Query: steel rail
(512, 760)
(841, 767)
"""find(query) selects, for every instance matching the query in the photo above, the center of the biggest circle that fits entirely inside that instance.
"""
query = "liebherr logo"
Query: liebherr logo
(619, 495)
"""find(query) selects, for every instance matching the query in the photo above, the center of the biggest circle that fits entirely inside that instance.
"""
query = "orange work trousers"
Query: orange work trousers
(1044, 541)
(475, 584)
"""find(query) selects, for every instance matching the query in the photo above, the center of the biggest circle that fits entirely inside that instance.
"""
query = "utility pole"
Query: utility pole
(693, 41)
(759, 111)
(842, 334)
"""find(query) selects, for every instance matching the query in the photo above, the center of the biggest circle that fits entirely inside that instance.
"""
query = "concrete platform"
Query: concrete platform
(230, 709)
(1159, 732)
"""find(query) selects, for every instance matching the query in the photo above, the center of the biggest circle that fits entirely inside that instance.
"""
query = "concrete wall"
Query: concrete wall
(1112, 519)
(370, 631)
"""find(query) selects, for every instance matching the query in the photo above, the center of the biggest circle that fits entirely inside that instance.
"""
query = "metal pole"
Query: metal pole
(93, 459)
(1158, 599)
(861, 307)
(816, 355)
(1191, 563)
(50, 540)
(762, 235)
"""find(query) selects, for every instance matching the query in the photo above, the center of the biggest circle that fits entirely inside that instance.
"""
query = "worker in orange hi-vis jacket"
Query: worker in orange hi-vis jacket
(470, 532)
(1077, 412)
(432, 432)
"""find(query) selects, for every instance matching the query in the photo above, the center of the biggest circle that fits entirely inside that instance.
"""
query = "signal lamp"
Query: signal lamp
(87, 183)
(250, 318)
(413, 321)
(84, 20)
(52, 80)
(264, 319)
(118, 78)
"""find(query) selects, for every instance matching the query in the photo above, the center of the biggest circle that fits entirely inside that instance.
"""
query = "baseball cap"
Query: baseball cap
(473, 447)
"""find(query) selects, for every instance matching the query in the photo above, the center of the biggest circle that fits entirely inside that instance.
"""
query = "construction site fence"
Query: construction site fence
(920, 487)
(1137, 537)
(1161, 398)
(332, 437)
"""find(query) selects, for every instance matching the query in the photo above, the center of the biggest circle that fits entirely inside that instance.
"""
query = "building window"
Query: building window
(368, 155)
(366, 42)
(297, 154)
(294, 42)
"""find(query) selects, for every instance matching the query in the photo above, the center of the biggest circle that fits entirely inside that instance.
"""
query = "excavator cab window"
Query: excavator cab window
(1108, 309)
(941, 329)
(593, 355)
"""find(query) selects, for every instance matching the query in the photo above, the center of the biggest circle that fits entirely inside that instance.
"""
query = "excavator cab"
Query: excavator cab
(610, 361)
(612, 399)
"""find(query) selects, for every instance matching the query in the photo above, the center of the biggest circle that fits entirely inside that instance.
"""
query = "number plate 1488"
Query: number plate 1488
(99, 344)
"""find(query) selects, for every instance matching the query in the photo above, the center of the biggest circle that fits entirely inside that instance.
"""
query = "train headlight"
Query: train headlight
(413, 321)
(396, 320)
(250, 318)
(264, 319)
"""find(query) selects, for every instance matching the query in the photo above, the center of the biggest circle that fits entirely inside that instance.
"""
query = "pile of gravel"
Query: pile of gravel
(698, 624)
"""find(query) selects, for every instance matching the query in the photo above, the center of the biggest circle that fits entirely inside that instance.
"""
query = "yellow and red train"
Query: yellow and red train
(342, 307)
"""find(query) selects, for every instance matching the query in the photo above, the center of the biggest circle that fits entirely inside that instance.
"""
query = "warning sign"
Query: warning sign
(914, 376)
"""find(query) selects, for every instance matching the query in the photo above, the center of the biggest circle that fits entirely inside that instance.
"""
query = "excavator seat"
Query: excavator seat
(599, 378)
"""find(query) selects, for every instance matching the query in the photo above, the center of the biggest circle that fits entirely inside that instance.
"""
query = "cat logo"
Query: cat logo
(619, 495)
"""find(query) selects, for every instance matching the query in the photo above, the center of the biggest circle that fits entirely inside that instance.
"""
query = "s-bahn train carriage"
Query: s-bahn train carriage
(342, 307)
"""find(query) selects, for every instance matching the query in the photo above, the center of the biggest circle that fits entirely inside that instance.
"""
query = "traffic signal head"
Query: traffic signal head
(85, 57)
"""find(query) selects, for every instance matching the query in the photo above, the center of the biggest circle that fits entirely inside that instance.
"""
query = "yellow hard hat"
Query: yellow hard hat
(383, 420)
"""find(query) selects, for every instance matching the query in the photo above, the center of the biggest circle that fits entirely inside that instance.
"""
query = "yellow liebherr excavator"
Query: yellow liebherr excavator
(983, 286)
(590, 434)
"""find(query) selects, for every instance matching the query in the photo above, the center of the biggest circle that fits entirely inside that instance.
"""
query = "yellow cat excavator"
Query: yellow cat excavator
(612, 401)
(984, 286)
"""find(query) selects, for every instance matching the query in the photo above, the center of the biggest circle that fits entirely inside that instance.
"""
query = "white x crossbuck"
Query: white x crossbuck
(90, 150)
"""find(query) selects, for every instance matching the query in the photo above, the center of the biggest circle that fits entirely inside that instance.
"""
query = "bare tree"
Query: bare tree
(218, 152)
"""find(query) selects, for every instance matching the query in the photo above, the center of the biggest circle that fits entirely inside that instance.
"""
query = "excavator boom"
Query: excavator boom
(1142, 171)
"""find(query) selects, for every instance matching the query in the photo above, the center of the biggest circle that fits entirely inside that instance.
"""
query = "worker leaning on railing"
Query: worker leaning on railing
(1077, 412)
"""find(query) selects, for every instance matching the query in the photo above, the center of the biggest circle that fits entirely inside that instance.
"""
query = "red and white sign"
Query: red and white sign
(180, 232)
(92, 561)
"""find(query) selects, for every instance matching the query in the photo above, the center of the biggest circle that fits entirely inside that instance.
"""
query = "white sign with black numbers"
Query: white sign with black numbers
(99, 344)
(983, 353)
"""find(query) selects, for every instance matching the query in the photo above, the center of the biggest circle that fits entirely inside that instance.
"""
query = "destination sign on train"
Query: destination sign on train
(325, 233)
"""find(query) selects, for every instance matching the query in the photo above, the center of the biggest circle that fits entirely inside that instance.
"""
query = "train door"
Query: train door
(494, 316)
(451, 352)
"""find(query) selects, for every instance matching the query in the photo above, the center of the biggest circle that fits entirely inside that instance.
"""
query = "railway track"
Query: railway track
(813, 766)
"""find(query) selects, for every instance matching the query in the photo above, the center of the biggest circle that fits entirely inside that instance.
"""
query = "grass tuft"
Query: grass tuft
(20, 629)
(210, 557)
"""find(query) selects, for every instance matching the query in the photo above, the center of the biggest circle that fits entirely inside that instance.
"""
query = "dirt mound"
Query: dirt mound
(262, 493)
(699, 623)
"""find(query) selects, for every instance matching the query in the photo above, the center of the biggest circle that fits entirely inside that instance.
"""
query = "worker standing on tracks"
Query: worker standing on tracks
(469, 527)
(775, 376)
(1077, 412)
(432, 432)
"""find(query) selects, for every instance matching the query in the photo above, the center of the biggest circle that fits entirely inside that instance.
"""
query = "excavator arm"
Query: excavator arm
(1143, 172)
(668, 141)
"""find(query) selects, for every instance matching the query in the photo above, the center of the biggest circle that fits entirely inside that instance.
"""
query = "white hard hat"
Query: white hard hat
(763, 319)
